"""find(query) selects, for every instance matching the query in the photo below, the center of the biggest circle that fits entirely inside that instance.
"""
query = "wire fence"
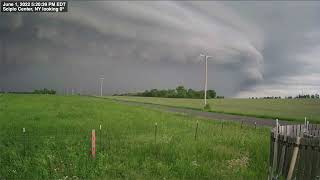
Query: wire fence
(69, 151)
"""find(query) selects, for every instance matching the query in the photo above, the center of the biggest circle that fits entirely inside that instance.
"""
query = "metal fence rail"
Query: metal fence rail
(295, 152)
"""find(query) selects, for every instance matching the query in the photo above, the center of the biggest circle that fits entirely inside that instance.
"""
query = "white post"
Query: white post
(305, 125)
(206, 80)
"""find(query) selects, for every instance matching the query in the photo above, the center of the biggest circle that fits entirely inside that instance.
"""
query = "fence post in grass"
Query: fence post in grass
(222, 124)
(93, 143)
(255, 125)
(195, 134)
(24, 141)
(100, 138)
(155, 132)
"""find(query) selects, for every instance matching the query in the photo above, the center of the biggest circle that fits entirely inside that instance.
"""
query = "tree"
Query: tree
(211, 94)
(154, 93)
(178, 92)
(146, 93)
(191, 93)
(181, 92)
(171, 93)
(44, 91)
(163, 93)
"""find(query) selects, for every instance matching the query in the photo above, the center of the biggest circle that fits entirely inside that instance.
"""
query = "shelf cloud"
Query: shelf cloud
(142, 45)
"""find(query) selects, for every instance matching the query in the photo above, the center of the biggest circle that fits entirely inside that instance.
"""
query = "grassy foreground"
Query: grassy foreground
(285, 109)
(56, 144)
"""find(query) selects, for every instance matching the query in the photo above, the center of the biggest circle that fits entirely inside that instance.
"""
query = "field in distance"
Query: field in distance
(56, 142)
(285, 109)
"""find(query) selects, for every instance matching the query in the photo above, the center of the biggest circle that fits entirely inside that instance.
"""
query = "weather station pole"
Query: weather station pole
(101, 84)
(206, 77)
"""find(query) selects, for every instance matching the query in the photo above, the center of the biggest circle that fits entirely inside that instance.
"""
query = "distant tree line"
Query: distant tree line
(305, 96)
(178, 92)
(18, 92)
(37, 91)
(44, 91)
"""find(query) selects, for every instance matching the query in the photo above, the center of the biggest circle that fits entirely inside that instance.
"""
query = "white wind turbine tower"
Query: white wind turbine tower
(101, 84)
(206, 77)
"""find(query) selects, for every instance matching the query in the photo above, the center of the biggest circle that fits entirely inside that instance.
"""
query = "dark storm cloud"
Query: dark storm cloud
(139, 45)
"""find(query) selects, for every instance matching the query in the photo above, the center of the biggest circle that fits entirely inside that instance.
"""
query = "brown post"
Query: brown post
(195, 134)
(93, 143)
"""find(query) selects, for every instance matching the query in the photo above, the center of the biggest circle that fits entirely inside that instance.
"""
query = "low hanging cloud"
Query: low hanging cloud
(139, 45)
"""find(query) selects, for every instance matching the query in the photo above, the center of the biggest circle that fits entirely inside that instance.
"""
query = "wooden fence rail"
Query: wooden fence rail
(295, 152)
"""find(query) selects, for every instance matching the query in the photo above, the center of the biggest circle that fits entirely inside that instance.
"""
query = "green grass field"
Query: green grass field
(56, 144)
(285, 109)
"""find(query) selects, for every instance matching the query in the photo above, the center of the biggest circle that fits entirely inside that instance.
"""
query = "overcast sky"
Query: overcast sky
(258, 48)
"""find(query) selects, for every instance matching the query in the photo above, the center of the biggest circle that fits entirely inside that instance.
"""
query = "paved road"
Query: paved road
(211, 115)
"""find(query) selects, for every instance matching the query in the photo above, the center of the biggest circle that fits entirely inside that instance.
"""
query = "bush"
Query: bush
(207, 107)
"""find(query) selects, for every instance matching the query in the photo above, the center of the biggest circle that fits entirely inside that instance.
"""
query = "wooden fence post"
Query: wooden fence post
(283, 153)
(155, 132)
(100, 138)
(294, 158)
(305, 125)
(93, 143)
(24, 141)
(195, 134)
(275, 152)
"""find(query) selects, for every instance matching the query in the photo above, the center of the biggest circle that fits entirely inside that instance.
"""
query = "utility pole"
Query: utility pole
(206, 77)
(101, 84)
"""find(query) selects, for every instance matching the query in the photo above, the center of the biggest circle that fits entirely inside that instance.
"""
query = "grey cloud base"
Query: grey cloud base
(143, 45)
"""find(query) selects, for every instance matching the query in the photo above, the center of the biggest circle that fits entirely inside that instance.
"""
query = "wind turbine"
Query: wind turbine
(206, 77)
(101, 84)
